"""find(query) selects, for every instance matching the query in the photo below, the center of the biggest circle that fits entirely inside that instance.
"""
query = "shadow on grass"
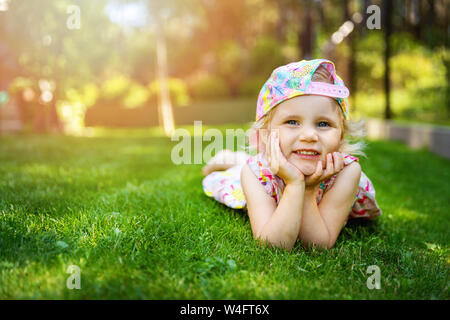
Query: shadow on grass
(358, 225)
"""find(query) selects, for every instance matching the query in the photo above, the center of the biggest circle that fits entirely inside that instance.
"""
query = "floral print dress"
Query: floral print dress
(225, 186)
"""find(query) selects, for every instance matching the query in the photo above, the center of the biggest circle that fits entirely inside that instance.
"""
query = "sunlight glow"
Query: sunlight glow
(4, 6)
(133, 14)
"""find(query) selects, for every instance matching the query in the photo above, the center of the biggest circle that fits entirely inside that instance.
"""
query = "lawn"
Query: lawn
(140, 227)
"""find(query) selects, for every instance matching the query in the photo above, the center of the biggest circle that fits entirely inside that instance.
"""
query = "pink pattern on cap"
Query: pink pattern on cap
(294, 79)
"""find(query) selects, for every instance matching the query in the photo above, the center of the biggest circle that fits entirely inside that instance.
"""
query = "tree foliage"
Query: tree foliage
(217, 48)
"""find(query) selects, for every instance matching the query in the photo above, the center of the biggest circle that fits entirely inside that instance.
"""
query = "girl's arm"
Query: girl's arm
(332, 211)
(277, 225)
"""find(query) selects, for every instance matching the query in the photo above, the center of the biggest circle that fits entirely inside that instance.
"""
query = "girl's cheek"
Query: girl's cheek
(334, 142)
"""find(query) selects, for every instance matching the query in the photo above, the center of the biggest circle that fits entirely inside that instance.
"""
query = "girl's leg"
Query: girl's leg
(224, 160)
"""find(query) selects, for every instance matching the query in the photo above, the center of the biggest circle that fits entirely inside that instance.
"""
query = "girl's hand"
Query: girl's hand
(335, 163)
(278, 163)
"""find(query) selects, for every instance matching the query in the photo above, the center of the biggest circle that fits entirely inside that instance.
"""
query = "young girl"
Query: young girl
(303, 184)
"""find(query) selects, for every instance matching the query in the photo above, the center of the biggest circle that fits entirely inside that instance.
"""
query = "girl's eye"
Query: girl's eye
(323, 124)
(293, 122)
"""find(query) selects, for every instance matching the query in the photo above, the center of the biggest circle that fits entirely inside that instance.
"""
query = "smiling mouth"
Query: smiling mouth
(307, 152)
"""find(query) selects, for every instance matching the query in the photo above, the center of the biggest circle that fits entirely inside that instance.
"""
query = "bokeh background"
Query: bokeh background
(67, 66)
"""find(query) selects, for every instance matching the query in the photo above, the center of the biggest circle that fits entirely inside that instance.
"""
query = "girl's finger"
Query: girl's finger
(278, 148)
(330, 167)
(269, 137)
(338, 162)
(319, 170)
(278, 153)
(273, 154)
(275, 160)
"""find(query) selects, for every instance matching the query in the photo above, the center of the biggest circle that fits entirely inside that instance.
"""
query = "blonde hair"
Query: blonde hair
(353, 131)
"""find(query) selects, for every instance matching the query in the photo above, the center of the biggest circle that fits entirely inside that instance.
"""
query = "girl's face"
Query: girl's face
(309, 128)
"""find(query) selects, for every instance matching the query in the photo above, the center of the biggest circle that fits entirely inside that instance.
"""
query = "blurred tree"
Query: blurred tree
(47, 49)
(349, 10)
(161, 13)
(307, 34)
(265, 55)
(387, 9)
(165, 111)
(228, 47)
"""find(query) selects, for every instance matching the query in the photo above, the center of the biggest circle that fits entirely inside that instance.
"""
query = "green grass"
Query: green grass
(140, 227)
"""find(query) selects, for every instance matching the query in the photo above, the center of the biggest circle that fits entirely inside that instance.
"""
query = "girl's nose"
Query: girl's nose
(308, 134)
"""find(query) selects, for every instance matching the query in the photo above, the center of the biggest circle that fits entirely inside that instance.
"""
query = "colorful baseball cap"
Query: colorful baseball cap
(294, 79)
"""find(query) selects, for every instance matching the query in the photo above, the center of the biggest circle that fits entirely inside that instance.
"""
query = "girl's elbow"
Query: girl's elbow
(328, 241)
(324, 243)
(324, 246)
(331, 243)
(277, 243)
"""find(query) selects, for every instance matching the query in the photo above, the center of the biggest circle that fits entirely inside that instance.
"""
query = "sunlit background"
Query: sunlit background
(70, 66)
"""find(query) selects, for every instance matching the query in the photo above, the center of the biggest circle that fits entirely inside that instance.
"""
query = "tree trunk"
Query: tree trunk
(387, 9)
(56, 125)
(365, 4)
(352, 58)
(282, 20)
(431, 13)
(307, 33)
(47, 119)
(165, 112)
